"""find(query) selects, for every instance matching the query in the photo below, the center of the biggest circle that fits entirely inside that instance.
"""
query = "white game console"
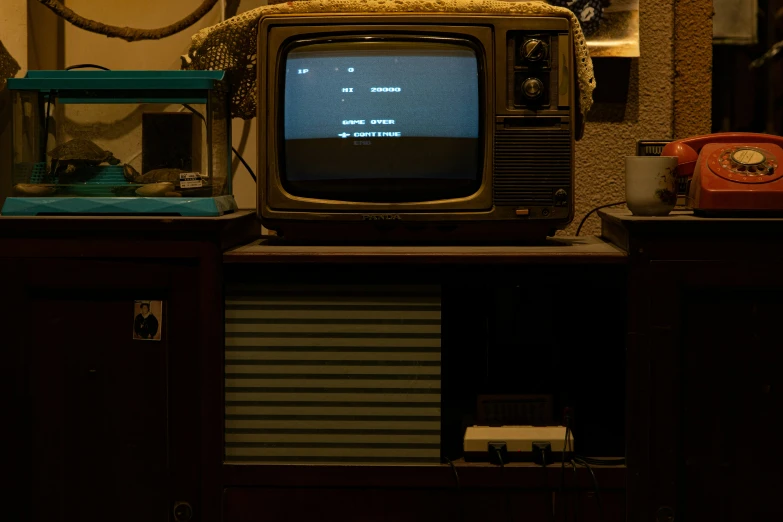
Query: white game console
(522, 443)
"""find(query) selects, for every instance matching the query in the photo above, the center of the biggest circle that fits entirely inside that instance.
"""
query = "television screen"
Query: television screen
(380, 120)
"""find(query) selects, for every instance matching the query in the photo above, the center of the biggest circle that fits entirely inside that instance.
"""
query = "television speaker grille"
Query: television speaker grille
(332, 374)
(531, 165)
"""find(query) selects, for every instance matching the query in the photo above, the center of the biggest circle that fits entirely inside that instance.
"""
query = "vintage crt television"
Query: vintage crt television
(416, 125)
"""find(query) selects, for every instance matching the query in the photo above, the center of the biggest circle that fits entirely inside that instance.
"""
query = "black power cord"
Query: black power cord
(550, 503)
(566, 443)
(576, 481)
(540, 451)
(459, 487)
(596, 489)
(454, 469)
(241, 159)
(498, 447)
(86, 66)
(234, 150)
(500, 457)
(579, 229)
(50, 97)
(602, 462)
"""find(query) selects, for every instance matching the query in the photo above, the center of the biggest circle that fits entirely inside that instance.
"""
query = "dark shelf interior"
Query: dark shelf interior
(524, 330)
(512, 338)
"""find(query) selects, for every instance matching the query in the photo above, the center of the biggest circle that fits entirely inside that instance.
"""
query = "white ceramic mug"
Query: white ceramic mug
(650, 184)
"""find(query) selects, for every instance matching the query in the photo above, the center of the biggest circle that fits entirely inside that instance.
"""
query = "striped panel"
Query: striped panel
(332, 374)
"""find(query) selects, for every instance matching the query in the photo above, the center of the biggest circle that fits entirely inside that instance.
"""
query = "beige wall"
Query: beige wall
(45, 31)
(692, 68)
(13, 30)
(13, 33)
(82, 46)
(636, 98)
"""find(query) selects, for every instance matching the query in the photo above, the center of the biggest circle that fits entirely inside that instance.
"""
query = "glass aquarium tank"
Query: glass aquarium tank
(91, 142)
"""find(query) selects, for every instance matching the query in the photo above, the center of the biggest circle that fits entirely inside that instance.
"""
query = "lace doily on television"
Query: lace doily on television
(231, 45)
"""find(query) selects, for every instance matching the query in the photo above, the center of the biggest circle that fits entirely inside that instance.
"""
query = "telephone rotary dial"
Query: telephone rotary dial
(747, 161)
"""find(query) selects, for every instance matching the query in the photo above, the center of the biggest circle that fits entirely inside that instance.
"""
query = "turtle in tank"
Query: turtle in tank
(163, 182)
(68, 157)
(152, 176)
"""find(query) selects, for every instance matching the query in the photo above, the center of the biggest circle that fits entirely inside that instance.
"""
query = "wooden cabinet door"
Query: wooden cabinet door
(106, 426)
(716, 348)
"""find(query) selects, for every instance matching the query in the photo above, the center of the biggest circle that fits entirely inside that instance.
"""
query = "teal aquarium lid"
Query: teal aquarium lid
(186, 207)
(81, 80)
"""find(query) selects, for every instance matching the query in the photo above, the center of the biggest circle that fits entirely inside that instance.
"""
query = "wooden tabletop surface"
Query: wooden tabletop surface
(679, 216)
(586, 249)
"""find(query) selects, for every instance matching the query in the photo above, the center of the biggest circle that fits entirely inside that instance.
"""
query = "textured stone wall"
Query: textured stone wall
(13, 33)
(13, 30)
(643, 98)
(692, 67)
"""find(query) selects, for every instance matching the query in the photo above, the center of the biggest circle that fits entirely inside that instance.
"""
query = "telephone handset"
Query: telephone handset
(731, 172)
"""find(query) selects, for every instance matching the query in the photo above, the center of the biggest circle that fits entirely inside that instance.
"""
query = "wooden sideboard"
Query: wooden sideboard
(105, 426)
(704, 353)
(638, 332)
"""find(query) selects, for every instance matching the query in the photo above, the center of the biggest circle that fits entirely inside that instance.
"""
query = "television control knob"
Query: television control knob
(532, 88)
(534, 50)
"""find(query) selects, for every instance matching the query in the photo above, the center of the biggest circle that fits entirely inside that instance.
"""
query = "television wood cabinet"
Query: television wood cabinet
(704, 353)
(105, 424)
(479, 286)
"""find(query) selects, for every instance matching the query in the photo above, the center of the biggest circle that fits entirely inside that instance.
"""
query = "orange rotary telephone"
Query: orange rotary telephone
(731, 172)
